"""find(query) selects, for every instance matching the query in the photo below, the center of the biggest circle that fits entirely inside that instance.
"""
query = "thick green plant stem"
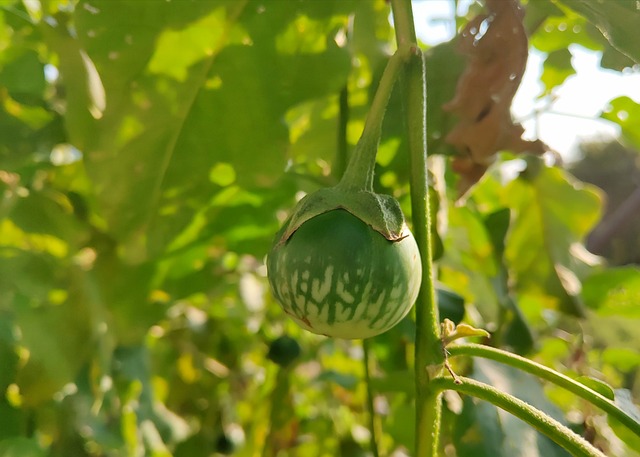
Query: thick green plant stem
(550, 375)
(573, 443)
(370, 403)
(428, 352)
(361, 166)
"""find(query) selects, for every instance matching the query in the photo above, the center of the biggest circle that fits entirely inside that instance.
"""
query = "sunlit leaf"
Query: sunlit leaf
(614, 20)
(562, 29)
(625, 112)
(624, 359)
(557, 68)
(615, 291)
(552, 214)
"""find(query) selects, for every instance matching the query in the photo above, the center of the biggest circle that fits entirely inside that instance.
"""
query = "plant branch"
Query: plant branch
(428, 352)
(565, 437)
(550, 375)
(370, 404)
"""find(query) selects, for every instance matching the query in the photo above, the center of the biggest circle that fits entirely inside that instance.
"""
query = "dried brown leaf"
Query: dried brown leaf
(496, 47)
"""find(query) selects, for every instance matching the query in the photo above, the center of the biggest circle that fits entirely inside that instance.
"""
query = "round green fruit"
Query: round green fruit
(337, 276)
(283, 351)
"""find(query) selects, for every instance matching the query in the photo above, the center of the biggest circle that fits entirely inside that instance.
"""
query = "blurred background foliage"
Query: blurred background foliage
(149, 151)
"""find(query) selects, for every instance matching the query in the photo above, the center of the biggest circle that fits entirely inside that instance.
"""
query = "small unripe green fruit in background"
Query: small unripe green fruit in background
(283, 351)
(337, 276)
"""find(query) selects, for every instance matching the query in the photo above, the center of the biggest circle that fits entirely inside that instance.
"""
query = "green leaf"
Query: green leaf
(450, 305)
(11, 417)
(478, 431)
(497, 224)
(561, 30)
(398, 381)
(177, 125)
(482, 429)
(557, 68)
(24, 75)
(617, 21)
(624, 111)
(177, 50)
(598, 385)
(47, 213)
(622, 358)
(469, 263)
(58, 340)
(7, 352)
(466, 330)
(20, 447)
(450, 64)
(400, 424)
(518, 334)
(552, 215)
(615, 60)
(624, 400)
(614, 292)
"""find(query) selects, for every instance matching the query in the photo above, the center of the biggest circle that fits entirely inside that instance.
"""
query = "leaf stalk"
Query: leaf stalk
(573, 443)
(550, 375)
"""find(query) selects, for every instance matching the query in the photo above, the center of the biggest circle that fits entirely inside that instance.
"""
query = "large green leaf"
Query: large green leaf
(552, 215)
(171, 115)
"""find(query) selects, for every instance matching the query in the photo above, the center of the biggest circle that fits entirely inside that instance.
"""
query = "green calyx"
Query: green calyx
(380, 212)
(354, 193)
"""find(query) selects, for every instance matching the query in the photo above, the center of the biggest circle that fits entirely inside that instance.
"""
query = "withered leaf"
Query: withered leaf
(496, 48)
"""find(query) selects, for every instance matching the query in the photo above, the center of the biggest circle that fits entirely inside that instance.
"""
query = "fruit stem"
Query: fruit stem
(361, 166)
(428, 348)
(342, 143)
